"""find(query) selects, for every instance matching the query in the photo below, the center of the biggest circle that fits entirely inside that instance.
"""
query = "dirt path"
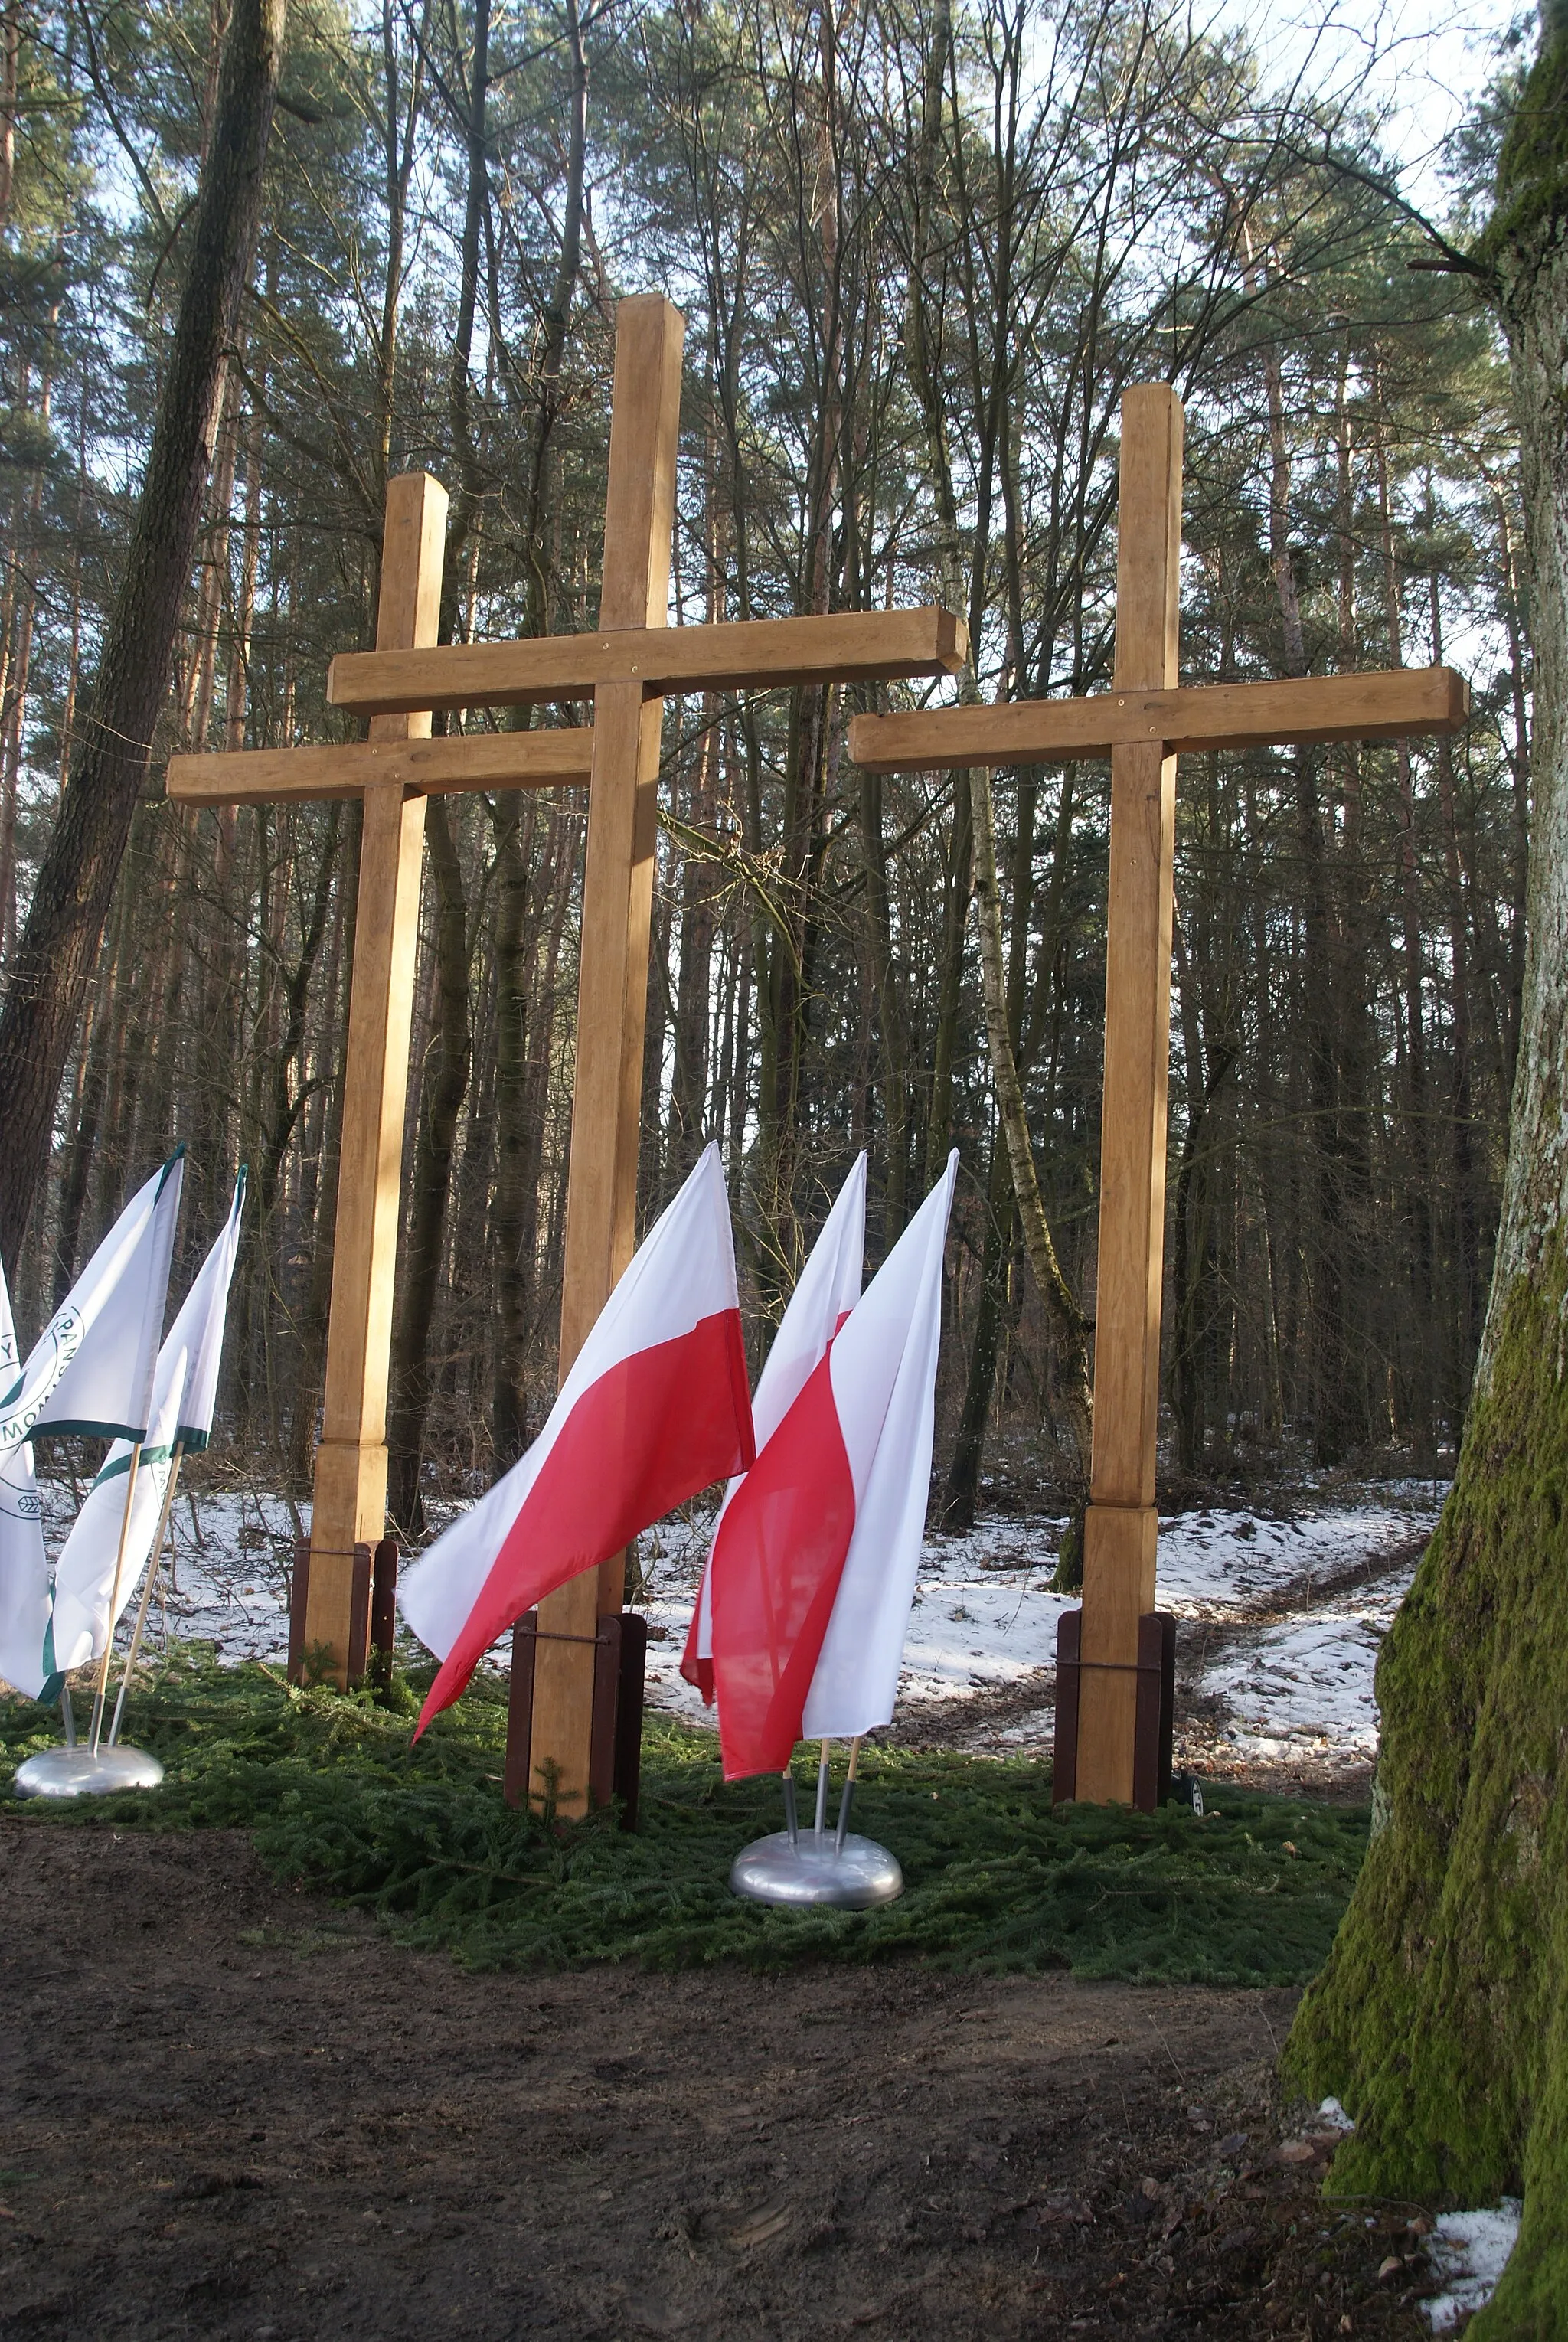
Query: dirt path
(232, 2111)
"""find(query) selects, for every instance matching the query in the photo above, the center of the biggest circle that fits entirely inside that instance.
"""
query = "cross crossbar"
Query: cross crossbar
(624, 668)
(770, 654)
(483, 760)
(1144, 722)
(1386, 703)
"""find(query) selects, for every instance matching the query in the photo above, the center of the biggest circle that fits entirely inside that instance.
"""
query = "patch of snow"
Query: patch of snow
(671, 1556)
(1302, 1689)
(1222, 1565)
(983, 1618)
(1469, 2252)
(227, 1563)
(1306, 1686)
(1291, 1676)
(1333, 2116)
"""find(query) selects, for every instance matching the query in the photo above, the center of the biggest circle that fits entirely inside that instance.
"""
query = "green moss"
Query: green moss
(335, 1797)
(1439, 2019)
(1533, 167)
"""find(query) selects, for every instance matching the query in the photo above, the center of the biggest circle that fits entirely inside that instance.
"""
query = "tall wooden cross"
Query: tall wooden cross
(625, 668)
(1144, 722)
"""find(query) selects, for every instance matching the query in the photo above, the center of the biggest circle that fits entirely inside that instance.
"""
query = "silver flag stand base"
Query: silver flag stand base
(853, 1876)
(76, 1772)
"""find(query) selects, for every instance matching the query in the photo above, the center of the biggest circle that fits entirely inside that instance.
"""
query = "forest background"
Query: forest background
(922, 248)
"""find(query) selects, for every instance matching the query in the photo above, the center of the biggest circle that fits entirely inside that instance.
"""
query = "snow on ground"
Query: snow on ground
(1469, 2252)
(983, 1618)
(1312, 1596)
(1306, 1689)
(1281, 1612)
(226, 1568)
(1282, 1615)
(1221, 1564)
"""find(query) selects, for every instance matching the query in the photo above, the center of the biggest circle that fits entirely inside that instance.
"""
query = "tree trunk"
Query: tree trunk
(1442, 2018)
(511, 944)
(889, 1012)
(1069, 1328)
(518, 1000)
(1418, 1185)
(961, 1498)
(441, 1103)
(82, 1145)
(1468, 1210)
(1338, 1418)
(305, 1399)
(1195, 1275)
(77, 879)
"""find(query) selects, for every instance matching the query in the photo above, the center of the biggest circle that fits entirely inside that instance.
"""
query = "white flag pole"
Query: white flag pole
(102, 1693)
(152, 1563)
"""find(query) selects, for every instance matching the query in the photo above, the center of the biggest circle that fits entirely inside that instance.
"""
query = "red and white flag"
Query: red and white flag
(827, 1290)
(814, 1572)
(655, 1407)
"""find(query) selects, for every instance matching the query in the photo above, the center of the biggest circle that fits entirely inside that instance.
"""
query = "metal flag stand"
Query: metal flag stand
(804, 1868)
(103, 1766)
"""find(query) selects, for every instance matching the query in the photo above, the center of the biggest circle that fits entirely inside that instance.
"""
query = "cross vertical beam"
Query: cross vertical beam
(613, 975)
(1120, 1523)
(350, 1498)
(1145, 722)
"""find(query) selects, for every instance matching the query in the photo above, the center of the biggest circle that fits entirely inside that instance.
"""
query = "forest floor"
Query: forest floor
(231, 2107)
(235, 2110)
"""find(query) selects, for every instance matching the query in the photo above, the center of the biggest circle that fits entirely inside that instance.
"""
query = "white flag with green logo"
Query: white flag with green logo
(91, 1369)
(185, 1391)
(23, 1568)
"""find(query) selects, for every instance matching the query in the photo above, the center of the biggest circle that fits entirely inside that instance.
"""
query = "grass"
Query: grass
(335, 1799)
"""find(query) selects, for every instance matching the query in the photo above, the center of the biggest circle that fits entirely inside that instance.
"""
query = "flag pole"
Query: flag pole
(822, 1790)
(847, 1799)
(101, 1694)
(792, 1817)
(156, 1556)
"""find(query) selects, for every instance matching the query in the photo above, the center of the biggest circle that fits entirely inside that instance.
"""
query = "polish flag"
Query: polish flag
(655, 1407)
(814, 1574)
(827, 1290)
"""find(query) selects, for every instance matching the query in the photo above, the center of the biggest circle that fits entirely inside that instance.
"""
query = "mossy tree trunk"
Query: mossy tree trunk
(1441, 2017)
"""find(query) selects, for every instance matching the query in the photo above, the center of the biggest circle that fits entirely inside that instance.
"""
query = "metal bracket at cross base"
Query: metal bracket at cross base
(615, 1744)
(372, 1624)
(1155, 1668)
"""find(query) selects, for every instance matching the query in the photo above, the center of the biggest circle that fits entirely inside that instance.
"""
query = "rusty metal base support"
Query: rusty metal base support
(373, 1627)
(1156, 1672)
(615, 1747)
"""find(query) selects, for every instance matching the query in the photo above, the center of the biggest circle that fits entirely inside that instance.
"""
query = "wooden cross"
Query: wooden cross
(1145, 721)
(624, 668)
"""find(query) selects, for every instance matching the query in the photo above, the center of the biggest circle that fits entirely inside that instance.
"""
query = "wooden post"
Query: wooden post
(612, 980)
(627, 665)
(1120, 1523)
(350, 1505)
(1145, 722)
